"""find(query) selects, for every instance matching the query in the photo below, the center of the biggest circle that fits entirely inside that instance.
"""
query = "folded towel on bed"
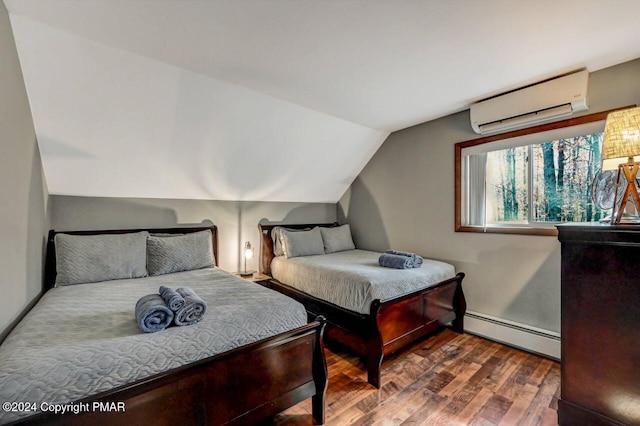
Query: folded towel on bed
(396, 261)
(193, 309)
(171, 297)
(417, 259)
(152, 313)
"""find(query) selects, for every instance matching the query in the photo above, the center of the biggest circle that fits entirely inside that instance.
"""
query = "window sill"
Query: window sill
(551, 232)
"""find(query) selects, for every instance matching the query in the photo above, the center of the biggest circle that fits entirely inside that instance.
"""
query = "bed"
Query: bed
(251, 356)
(372, 322)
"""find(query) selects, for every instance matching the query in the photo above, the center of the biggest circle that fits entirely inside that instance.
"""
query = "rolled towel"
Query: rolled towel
(417, 259)
(396, 261)
(171, 297)
(152, 314)
(193, 309)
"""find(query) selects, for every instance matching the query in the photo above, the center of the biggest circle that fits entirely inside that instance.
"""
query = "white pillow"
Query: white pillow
(302, 243)
(337, 239)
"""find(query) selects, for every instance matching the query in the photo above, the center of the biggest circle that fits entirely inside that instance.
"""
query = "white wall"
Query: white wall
(237, 221)
(404, 198)
(115, 124)
(23, 192)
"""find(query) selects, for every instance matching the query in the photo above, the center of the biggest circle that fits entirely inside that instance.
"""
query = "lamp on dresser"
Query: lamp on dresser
(621, 151)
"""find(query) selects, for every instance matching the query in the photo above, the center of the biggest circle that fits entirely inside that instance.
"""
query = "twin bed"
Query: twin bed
(252, 355)
(372, 310)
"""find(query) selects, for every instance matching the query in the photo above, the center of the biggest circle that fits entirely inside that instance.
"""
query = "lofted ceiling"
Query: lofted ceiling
(277, 100)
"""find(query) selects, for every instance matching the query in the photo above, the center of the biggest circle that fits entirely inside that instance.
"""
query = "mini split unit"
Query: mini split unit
(531, 105)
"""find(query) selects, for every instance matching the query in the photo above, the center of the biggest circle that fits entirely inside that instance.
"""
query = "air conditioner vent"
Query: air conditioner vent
(532, 105)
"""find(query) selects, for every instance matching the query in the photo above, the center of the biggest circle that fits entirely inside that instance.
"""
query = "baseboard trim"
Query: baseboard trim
(528, 338)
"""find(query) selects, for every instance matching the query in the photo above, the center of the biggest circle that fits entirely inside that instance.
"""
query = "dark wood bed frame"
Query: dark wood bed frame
(239, 387)
(390, 325)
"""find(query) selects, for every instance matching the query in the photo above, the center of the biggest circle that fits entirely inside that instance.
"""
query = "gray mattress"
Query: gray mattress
(83, 339)
(353, 279)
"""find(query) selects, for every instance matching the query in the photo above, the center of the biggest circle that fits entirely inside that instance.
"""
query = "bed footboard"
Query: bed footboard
(391, 325)
(402, 321)
(242, 386)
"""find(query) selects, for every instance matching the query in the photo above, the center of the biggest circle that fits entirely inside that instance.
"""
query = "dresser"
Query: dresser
(600, 381)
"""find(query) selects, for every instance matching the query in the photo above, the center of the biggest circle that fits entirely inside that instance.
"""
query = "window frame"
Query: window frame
(523, 229)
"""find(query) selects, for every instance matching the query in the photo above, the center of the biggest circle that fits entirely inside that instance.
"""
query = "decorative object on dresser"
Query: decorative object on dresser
(382, 326)
(600, 302)
(243, 384)
(620, 151)
(604, 192)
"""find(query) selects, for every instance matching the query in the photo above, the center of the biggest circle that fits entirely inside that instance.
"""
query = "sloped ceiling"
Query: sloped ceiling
(277, 100)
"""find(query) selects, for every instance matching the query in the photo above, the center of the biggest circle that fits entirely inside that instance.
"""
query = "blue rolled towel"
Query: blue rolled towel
(193, 309)
(417, 259)
(152, 314)
(171, 297)
(396, 261)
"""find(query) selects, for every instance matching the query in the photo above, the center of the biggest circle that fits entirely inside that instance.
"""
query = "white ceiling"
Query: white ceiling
(277, 100)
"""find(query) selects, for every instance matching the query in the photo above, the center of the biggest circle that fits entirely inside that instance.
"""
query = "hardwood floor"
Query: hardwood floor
(448, 379)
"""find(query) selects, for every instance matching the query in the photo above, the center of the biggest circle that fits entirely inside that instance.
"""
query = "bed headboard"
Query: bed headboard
(50, 262)
(266, 243)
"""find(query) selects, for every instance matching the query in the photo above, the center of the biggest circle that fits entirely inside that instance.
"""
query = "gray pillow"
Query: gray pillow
(276, 236)
(337, 239)
(302, 243)
(92, 258)
(180, 253)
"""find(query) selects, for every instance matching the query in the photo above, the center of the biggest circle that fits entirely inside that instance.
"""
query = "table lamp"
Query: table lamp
(621, 151)
(248, 254)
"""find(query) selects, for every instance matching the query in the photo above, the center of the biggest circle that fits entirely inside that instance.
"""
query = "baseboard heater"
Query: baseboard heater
(522, 336)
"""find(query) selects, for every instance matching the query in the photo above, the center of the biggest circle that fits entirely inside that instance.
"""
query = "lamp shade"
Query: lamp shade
(621, 138)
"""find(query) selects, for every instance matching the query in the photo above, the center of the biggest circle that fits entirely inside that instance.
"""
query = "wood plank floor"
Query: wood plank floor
(448, 379)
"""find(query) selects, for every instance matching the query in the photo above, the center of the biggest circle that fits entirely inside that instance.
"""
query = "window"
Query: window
(529, 180)
(543, 182)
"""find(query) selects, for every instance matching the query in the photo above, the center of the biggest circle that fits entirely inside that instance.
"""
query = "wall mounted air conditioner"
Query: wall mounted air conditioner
(531, 105)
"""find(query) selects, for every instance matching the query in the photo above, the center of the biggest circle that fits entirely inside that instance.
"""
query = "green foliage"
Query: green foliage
(562, 172)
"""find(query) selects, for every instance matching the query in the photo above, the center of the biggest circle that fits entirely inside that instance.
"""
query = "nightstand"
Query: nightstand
(253, 277)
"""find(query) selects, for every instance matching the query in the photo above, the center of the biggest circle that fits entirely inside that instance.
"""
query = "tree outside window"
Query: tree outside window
(560, 175)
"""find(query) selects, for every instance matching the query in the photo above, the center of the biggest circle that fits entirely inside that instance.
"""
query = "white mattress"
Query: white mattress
(353, 279)
(83, 339)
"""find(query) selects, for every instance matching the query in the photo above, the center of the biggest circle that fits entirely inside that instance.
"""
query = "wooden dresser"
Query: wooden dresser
(600, 324)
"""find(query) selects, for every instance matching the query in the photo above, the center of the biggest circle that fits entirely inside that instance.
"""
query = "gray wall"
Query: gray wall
(23, 192)
(404, 198)
(237, 221)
